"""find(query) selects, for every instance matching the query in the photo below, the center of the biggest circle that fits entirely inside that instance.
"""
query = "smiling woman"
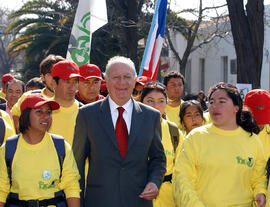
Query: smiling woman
(220, 156)
(44, 169)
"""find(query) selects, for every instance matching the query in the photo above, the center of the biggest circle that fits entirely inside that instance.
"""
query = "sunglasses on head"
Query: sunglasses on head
(154, 83)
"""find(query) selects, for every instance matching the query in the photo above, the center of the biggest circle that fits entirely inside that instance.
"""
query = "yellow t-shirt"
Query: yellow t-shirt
(64, 120)
(165, 197)
(219, 168)
(36, 171)
(168, 146)
(16, 109)
(10, 129)
(207, 117)
(264, 136)
(172, 114)
(2, 94)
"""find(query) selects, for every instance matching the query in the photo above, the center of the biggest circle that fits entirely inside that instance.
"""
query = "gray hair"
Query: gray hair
(16, 81)
(120, 59)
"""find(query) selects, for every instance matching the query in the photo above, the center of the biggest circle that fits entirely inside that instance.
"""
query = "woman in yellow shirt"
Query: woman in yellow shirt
(257, 102)
(36, 174)
(153, 94)
(191, 115)
(222, 164)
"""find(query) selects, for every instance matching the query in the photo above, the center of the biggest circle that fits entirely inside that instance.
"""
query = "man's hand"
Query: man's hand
(150, 191)
(260, 199)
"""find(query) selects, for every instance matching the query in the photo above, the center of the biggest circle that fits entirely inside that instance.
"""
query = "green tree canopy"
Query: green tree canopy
(41, 27)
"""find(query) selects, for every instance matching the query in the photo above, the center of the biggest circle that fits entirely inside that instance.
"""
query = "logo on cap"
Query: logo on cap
(260, 108)
(70, 68)
(89, 70)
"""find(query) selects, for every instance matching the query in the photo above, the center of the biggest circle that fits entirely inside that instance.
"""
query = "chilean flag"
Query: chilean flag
(150, 62)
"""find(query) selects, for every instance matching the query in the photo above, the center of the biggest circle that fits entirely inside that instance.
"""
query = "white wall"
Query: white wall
(213, 53)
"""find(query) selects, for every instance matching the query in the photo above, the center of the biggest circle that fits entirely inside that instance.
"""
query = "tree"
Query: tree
(193, 29)
(129, 24)
(6, 61)
(42, 27)
(248, 34)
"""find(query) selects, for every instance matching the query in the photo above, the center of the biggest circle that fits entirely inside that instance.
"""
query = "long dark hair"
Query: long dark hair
(187, 104)
(24, 121)
(243, 118)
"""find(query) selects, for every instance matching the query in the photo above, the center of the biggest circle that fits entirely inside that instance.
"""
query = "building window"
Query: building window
(224, 68)
(202, 73)
(233, 67)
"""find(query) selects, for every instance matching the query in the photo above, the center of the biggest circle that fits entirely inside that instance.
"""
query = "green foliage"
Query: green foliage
(42, 27)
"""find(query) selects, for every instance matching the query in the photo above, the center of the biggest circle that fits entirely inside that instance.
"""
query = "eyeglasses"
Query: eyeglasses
(154, 84)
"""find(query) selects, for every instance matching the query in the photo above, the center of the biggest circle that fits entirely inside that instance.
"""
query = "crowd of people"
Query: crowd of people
(77, 137)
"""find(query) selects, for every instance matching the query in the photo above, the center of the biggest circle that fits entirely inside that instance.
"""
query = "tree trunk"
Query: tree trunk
(127, 17)
(131, 32)
(247, 30)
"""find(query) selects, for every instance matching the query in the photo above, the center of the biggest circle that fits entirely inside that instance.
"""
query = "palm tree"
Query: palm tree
(41, 27)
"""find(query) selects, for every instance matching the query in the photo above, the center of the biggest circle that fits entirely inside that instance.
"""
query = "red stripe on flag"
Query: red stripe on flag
(148, 73)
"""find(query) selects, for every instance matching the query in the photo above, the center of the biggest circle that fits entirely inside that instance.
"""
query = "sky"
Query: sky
(177, 5)
(181, 4)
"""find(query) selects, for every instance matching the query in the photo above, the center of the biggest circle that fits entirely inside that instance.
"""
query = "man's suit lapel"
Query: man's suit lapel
(136, 123)
(105, 119)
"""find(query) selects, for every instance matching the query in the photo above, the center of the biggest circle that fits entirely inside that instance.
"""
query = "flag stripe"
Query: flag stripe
(150, 62)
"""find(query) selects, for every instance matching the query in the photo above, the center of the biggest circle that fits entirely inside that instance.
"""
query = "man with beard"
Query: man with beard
(45, 74)
(174, 82)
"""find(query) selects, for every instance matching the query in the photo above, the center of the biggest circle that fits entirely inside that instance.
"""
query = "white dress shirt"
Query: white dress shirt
(127, 114)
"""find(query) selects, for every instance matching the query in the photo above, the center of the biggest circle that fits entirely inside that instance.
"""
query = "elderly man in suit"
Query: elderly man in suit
(122, 140)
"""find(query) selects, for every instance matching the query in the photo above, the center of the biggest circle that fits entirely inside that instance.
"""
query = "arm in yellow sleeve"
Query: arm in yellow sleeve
(258, 181)
(10, 129)
(70, 175)
(185, 176)
(4, 180)
(180, 144)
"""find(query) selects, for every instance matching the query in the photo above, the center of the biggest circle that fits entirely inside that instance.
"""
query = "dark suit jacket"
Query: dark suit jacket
(111, 180)
(3, 106)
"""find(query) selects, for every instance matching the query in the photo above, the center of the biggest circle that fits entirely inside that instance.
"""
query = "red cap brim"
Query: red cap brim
(54, 105)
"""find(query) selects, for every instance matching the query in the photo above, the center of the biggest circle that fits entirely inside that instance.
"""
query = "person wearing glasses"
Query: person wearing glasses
(222, 163)
(154, 95)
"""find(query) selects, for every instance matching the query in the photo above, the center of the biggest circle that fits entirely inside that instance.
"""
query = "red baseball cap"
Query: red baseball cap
(37, 100)
(258, 102)
(7, 77)
(90, 71)
(65, 70)
(143, 80)
(103, 87)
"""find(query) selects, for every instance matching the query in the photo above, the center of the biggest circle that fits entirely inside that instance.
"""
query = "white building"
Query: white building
(216, 61)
